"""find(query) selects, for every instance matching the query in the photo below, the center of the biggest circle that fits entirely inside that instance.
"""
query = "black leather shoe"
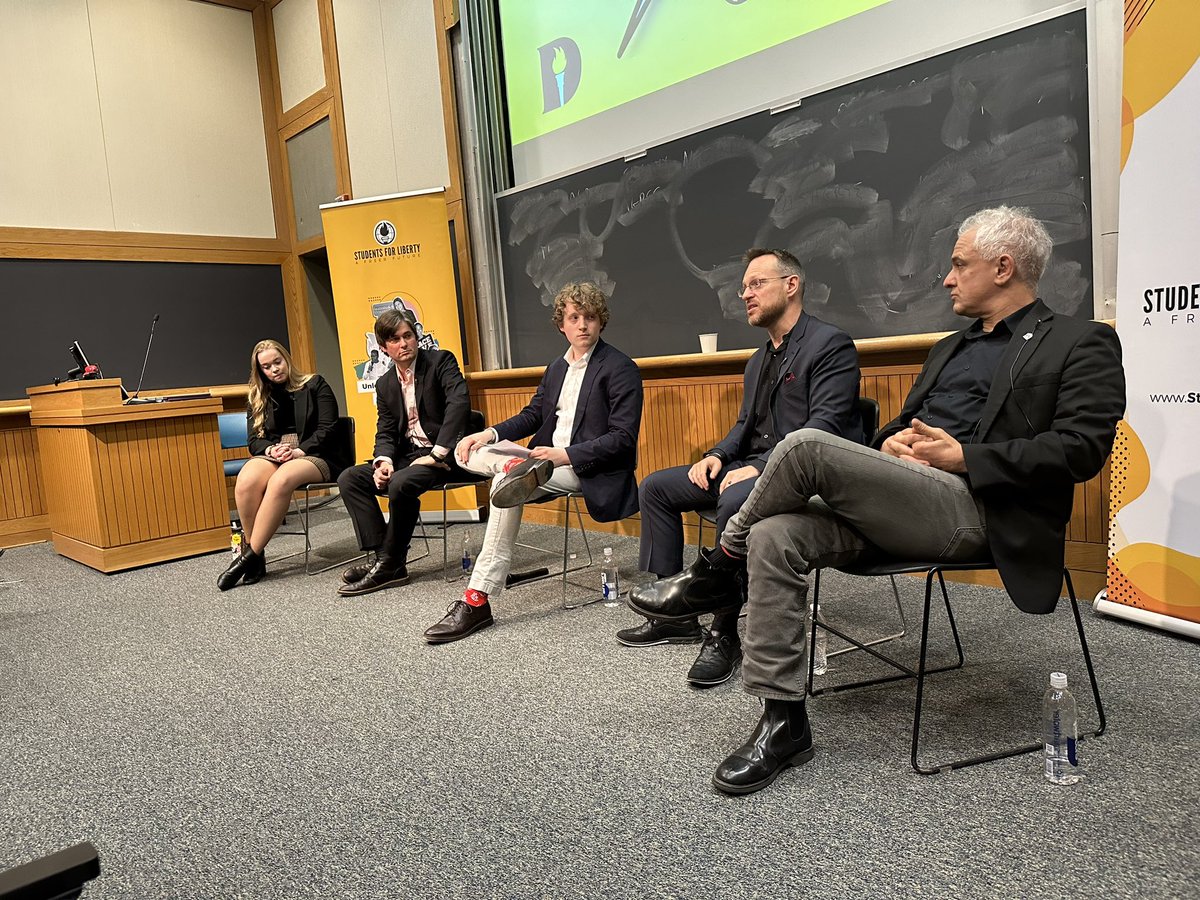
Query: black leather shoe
(522, 480)
(698, 589)
(354, 573)
(384, 574)
(782, 738)
(718, 657)
(248, 563)
(258, 568)
(461, 619)
(651, 633)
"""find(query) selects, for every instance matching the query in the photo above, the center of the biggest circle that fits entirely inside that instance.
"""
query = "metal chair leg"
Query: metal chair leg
(950, 765)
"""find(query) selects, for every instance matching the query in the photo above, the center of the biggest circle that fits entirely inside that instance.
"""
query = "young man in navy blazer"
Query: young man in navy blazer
(1006, 417)
(423, 405)
(804, 376)
(584, 418)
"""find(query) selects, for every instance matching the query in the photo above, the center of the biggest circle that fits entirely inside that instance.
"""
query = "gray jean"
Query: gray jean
(821, 501)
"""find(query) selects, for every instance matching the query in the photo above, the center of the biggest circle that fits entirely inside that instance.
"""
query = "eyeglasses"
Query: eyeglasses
(758, 283)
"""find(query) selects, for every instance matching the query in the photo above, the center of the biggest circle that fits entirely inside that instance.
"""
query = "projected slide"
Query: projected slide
(564, 62)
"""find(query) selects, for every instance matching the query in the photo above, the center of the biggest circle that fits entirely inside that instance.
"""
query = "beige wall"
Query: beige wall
(391, 94)
(80, 79)
(297, 26)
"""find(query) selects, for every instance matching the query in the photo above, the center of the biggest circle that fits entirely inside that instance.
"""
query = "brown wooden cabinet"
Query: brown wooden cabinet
(128, 486)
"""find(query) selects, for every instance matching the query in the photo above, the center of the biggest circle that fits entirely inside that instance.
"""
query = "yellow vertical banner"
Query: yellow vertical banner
(1154, 544)
(385, 253)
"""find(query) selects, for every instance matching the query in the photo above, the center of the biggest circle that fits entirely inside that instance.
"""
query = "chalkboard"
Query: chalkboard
(211, 316)
(865, 183)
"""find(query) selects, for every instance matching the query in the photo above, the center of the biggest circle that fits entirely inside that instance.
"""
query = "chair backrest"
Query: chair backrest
(233, 430)
(475, 421)
(343, 434)
(868, 412)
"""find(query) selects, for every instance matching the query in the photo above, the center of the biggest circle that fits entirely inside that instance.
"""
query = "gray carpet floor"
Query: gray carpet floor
(277, 741)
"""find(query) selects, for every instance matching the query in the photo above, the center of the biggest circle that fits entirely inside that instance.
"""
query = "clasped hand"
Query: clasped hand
(927, 446)
(282, 452)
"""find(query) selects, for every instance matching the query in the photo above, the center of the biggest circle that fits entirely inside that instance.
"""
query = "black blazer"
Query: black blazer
(316, 414)
(604, 437)
(1048, 424)
(443, 405)
(817, 387)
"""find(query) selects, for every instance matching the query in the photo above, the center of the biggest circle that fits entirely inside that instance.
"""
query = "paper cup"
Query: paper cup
(708, 343)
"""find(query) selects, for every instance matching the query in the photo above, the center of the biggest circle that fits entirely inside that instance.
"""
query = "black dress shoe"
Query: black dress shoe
(698, 589)
(651, 633)
(782, 738)
(718, 657)
(354, 573)
(258, 568)
(248, 563)
(461, 619)
(522, 480)
(384, 574)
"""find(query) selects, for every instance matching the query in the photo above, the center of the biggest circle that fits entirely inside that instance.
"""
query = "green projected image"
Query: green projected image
(565, 61)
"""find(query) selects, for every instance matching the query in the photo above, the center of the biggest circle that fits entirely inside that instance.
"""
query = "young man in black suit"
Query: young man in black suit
(804, 376)
(423, 406)
(584, 418)
(1004, 420)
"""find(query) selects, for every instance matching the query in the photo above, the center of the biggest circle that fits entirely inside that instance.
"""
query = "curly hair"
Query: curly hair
(587, 298)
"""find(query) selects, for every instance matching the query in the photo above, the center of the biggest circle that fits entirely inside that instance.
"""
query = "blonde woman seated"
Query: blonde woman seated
(290, 418)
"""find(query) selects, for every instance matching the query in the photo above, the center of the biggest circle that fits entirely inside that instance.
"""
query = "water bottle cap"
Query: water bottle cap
(608, 549)
(1058, 679)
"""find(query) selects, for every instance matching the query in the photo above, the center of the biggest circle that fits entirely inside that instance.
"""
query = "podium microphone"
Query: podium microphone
(146, 359)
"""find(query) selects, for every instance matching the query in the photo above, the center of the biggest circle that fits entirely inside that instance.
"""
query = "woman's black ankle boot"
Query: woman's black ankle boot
(246, 564)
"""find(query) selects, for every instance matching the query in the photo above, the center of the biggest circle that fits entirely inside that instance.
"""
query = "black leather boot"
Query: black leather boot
(249, 563)
(782, 738)
(387, 572)
(700, 588)
(258, 569)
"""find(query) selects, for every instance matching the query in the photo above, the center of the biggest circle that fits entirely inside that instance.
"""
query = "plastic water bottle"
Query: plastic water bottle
(1060, 731)
(820, 661)
(466, 553)
(236, 535)
(609, 584)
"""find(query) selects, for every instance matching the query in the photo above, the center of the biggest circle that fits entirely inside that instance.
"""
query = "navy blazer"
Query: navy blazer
(443, 405)
(817, 387)
(1048, 423)
(604, 437)
(316, 409)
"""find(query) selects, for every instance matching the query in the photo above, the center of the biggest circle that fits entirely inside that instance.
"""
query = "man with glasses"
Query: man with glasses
(804, 376)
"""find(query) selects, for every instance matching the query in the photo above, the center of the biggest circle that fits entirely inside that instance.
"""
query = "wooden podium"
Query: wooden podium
(128, 486)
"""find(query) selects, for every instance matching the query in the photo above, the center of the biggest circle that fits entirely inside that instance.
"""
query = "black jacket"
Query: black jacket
(316, 413)
(443, 405)
(1047, 425)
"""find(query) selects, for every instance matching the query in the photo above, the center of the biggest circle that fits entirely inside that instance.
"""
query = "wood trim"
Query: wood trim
(299, 318)
(247, 5)
(316, 242)
(912, 348)
(65, 240)
(307, 120)
(304, 107)
(142, 254)
(333, 82)
(449, 106)
(117, 559)
(268, 87)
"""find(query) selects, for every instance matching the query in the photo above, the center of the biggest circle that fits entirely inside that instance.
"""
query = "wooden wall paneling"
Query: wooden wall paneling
(333, 84)
(268, 82)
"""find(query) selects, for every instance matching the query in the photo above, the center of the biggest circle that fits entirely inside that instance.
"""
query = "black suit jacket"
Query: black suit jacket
(316, 409)
(1048, 424)
(443, 405)
(817, 387)
(604, 437)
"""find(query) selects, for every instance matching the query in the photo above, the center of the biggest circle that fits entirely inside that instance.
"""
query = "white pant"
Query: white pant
(495, 556)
